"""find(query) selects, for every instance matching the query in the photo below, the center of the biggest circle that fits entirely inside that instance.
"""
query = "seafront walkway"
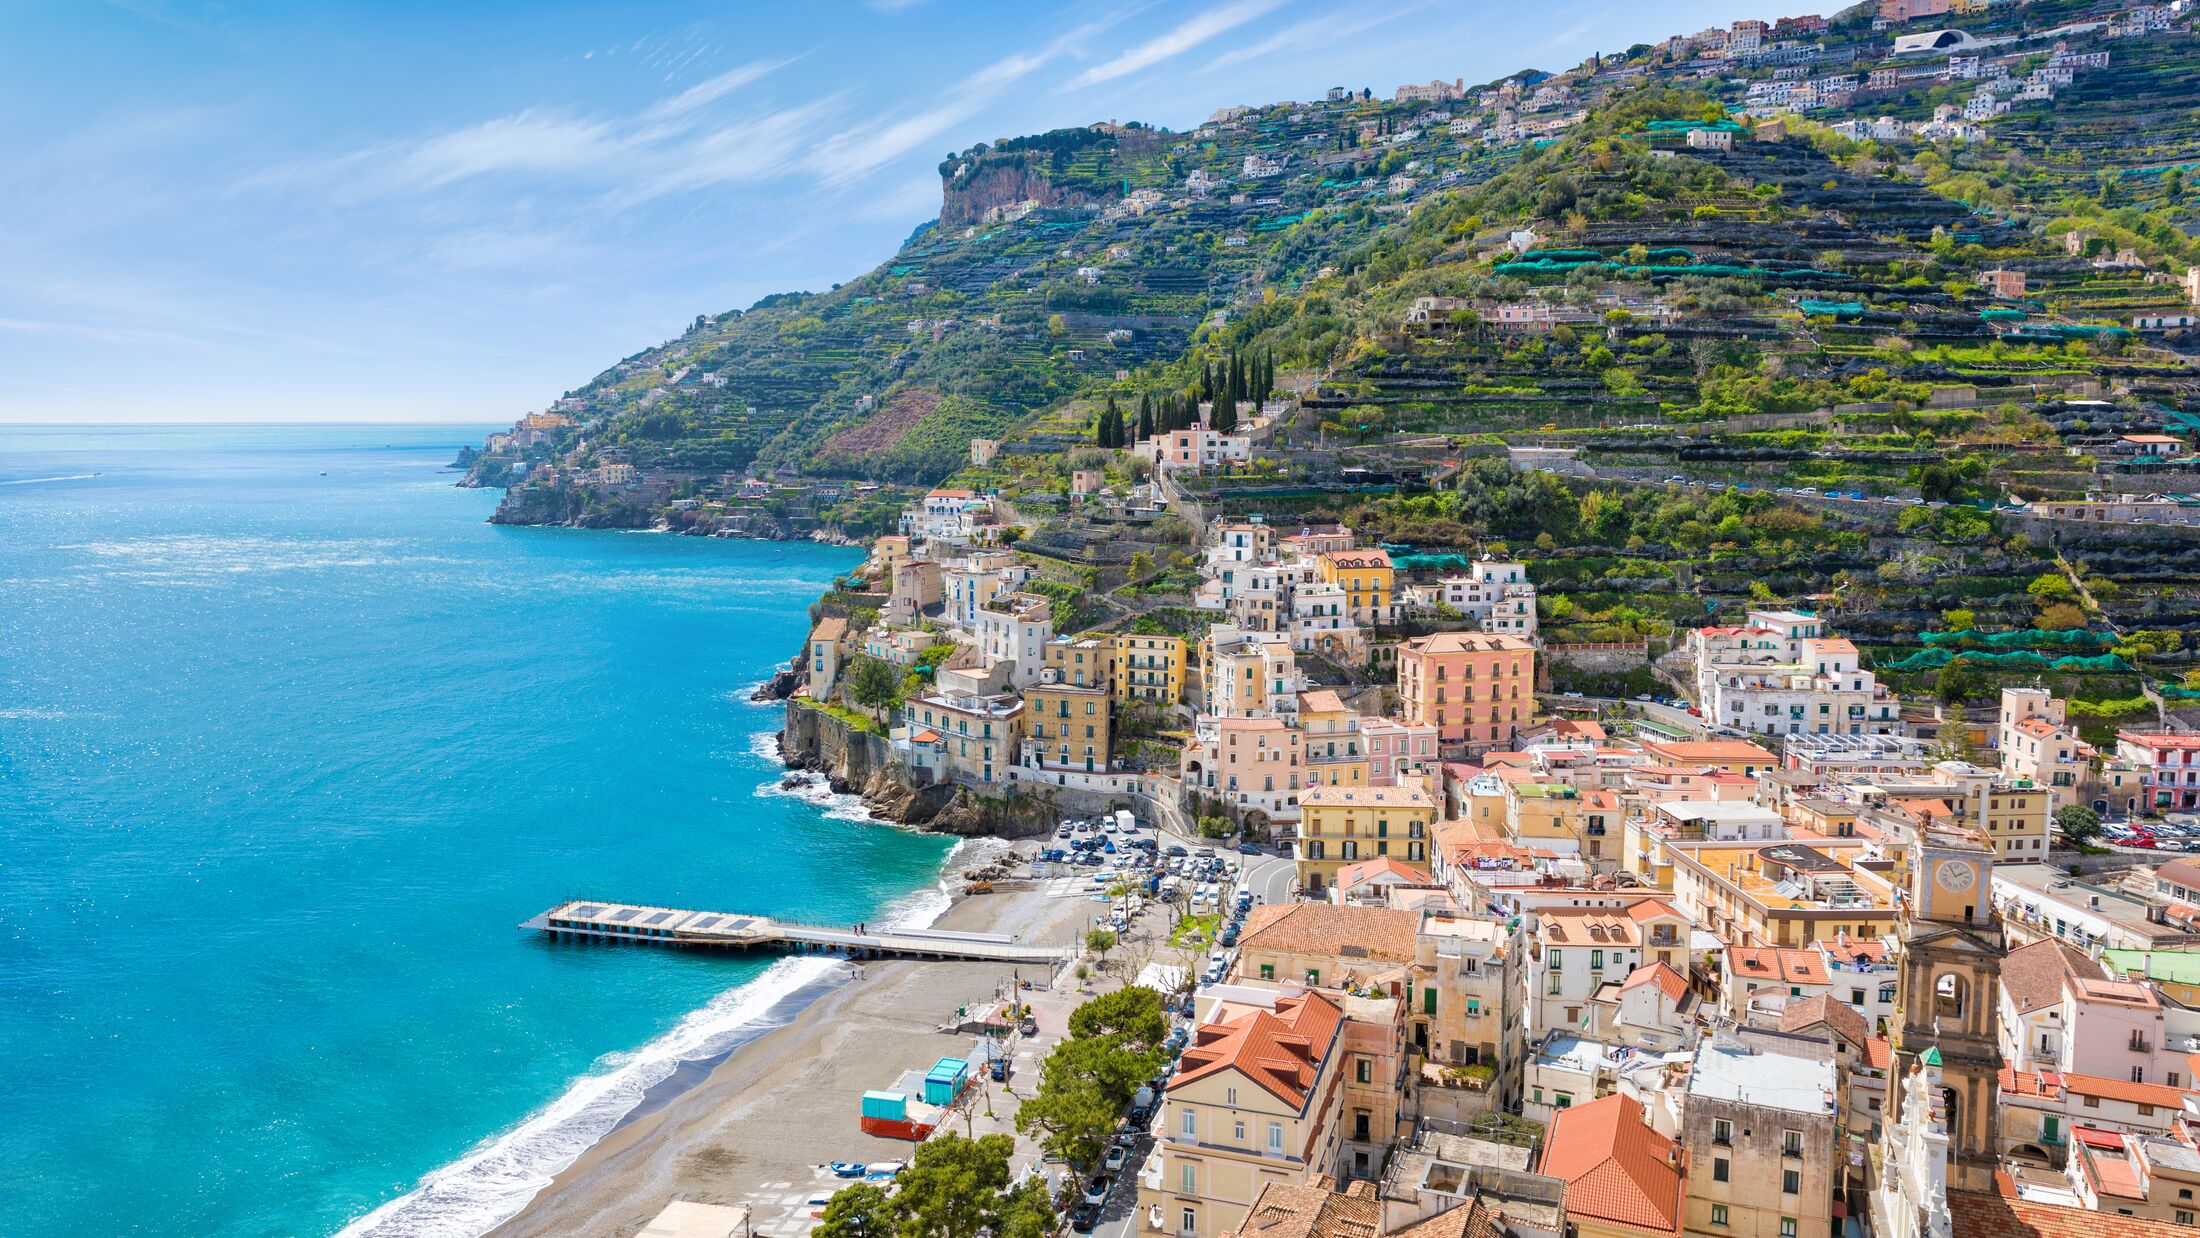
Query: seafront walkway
(672, 926)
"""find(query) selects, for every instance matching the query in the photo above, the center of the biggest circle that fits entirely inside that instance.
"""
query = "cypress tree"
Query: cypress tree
(1145, 415)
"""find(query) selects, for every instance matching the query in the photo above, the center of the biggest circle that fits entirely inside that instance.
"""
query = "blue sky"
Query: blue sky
(418, 211)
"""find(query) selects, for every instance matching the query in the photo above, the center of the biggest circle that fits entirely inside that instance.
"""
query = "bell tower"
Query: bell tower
(1948, 996)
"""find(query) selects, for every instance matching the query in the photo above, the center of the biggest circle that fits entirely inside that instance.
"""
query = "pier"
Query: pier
(672, 926)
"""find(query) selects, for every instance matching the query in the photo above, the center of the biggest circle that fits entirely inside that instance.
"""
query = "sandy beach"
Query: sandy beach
(763, 1121)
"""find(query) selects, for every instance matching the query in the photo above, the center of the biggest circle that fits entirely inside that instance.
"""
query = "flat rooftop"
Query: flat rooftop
(2045, 884)
(1730, 1070)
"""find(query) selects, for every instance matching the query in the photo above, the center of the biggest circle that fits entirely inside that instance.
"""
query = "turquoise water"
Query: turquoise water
(290, 741)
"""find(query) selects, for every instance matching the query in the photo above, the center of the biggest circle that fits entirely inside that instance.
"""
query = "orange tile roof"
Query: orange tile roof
(1281, 1052)
(1879, 1053)
(1616, 1168)
(1838, 1017)
(1710, 752)
(1651, 909)
(1464, 642)
(1382, 866)
(1662, 975)
(1980, 1215)
(2124, 1090)
(2044, 1084)
(1376, 934)
(1587, 926)
(1290, 1210)
(1777, 963)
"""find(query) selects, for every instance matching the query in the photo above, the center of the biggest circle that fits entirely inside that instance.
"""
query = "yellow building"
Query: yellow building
(1366, 577)
(1149, 668)
(1343, 825)
(1543, 814)
(1087, 662)
(1783, 893)
(1068, 724)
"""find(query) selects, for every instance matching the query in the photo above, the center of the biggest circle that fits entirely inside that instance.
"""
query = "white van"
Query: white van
(1124, 821)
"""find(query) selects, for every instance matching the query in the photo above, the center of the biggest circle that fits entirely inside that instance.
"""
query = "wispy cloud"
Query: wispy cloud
(1191, 34)
(859, 152)
(702, 94)
(1324, 32)
(531, 141)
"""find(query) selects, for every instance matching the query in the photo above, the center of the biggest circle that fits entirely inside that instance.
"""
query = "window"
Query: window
(1722, 1132)
(1190, 1123)
(1596, 960)
(1787, 1227)
(1237, 1132)
(1187, 1180)
(1791, 1182)
(1557, 958)
(2092, 1102)
(1719, 1169)
(1229, 1097)
(1428, 1000)
(1275, 1137)
(1364, 1070)
(1565, 1100)
(1191, 1221)
(1718, 1214)
(1791, 1143)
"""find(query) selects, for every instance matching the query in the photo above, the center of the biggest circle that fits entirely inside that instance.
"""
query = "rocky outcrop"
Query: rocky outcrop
(965, 198)
(862, 763)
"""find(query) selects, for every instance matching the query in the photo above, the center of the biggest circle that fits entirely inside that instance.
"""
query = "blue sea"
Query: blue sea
(291, 740)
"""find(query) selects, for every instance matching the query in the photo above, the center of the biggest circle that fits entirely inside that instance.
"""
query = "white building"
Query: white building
(1015, 628)
(1779, 674)
(1499, 597)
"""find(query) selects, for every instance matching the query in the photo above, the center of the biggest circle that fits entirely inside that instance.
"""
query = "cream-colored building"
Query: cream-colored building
(1257, 1098)
(1340, 825)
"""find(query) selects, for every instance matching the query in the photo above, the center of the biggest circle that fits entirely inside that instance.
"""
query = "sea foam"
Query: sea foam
(493, 1182)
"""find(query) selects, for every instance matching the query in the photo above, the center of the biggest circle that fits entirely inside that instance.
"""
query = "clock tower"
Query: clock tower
(1949, 995)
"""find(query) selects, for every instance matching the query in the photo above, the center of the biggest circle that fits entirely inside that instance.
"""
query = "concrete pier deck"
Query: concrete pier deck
(672, 926)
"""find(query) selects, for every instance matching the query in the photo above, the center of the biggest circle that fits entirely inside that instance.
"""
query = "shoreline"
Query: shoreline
(783, 1103)
(539, 1165)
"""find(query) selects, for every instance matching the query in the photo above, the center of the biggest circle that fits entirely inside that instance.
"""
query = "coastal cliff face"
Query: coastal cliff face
(862, 763)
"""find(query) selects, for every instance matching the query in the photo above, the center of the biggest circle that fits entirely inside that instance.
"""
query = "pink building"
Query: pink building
(1473, 688)
(2169, 767)
(1394, 748)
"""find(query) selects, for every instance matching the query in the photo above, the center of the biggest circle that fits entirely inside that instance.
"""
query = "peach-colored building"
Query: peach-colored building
(1254, 764)
(1474, 688)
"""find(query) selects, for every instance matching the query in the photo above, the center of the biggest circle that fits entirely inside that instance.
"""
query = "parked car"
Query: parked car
(1178, 850)
(1248, 848)
(998, 1069)
(1084, 1218)
(1116, 1158)
(1096, 1191)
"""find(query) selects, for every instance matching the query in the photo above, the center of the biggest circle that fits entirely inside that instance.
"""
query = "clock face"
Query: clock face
(1955, 876)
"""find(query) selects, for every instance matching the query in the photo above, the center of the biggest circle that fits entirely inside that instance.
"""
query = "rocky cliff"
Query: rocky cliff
(862, 763)
(967, 196)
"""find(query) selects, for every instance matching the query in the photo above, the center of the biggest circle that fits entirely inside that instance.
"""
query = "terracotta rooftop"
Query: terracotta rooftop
(2033, 975)
(1287, 1210)
(1839, 1018)
(1476, 1220)
(1466, 642)
(1587, 926)
(1616, 1168)
(1279, 1052)
(1979, 1215)
(1662, 976)
(1779, 964)
(2124, 1090)
(1376, 934)
(1382, 866)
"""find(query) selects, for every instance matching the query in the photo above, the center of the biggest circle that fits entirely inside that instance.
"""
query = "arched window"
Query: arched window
(1951, 996)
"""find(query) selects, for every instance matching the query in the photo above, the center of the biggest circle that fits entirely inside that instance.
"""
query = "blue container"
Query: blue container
(891, 1106)
(945, 1080)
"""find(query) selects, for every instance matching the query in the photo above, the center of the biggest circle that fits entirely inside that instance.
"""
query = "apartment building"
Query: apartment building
(1248, 674)
(827, 647)
(964, 738)
(1367, 578)
(1067, 724)
(1254, 764)
(1760, 1136)
(1340, 825)
(2169, 769)
(2059, 1012)
(1149, 668)
(1476, 690)
(1780, 674)
(1623, 1179)
(1257, 1098)
(2037, 744)
(1015, 628)
(1784, 893)
(1331, 732)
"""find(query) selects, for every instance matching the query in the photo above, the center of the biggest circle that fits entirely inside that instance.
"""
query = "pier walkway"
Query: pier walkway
(671, 926)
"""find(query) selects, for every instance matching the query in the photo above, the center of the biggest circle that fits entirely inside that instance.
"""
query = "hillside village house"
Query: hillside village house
(1198, 448)
(1149, 668)
(1366, 577)
(2038, 745)
(1340, 825)
(1623, 1179)
(1760, 1136)
(1779, 674)
(969, 739)
(828, 645)
(1473, 689)
(1067, 724)
(2169, 769)
(1260, 1097)
(1256, 764)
